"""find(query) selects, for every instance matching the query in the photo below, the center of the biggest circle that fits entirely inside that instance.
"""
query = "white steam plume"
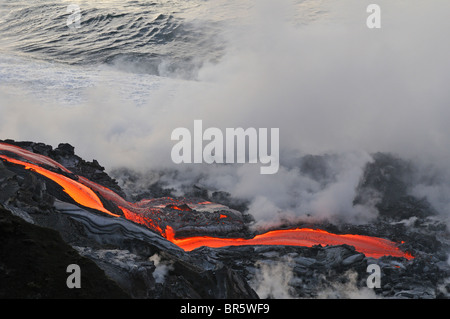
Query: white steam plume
(273, 280)
(313, 70)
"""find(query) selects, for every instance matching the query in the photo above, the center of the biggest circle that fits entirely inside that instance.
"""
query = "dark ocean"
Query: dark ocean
(153, 37)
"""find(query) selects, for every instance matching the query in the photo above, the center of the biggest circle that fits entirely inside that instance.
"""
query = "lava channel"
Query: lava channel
(84, 191)
(370, 246)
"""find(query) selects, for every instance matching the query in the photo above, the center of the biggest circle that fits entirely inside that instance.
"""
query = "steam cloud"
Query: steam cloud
(314, 70)
(276, 280)
(161, 268)
(272, 280)
(347, 290)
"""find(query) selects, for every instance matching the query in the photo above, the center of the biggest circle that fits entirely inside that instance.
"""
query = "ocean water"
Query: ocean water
(55, 50)
(140, 33)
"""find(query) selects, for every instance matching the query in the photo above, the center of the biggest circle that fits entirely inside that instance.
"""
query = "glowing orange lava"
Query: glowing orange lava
(84, 192)
(33, 157)
(181, 208)
(77, 191)
(369, 246)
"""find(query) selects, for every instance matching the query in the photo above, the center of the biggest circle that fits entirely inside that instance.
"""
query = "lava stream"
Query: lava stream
(80, 193)
(84, 192)
(370, 246)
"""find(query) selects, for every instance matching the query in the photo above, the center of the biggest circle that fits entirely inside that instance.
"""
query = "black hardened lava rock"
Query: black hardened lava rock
(65, 155)
(34, 261)
(43, 230)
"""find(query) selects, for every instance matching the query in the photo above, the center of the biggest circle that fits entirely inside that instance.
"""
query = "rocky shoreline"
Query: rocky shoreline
(122, 259)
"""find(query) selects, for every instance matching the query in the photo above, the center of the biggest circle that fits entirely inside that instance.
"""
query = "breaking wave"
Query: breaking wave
(143, 37)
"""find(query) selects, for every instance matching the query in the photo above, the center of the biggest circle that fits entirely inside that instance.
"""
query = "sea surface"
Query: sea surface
(143, 34)
(54, 50)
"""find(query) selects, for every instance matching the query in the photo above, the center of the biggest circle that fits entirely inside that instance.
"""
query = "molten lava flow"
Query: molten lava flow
(369, 246)
(84, 192)
(184, 208)
(78, 192)
(32, 157)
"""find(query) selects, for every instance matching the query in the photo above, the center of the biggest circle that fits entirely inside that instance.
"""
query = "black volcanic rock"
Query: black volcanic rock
(34, 260)
(65, 155)
(318, 167)
(140, 263)
(120, 248)
(389, 177)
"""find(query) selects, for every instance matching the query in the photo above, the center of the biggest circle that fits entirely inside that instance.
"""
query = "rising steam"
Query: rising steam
(314, 70)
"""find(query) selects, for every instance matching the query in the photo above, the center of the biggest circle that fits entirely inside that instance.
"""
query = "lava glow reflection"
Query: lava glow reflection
(85, 193)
